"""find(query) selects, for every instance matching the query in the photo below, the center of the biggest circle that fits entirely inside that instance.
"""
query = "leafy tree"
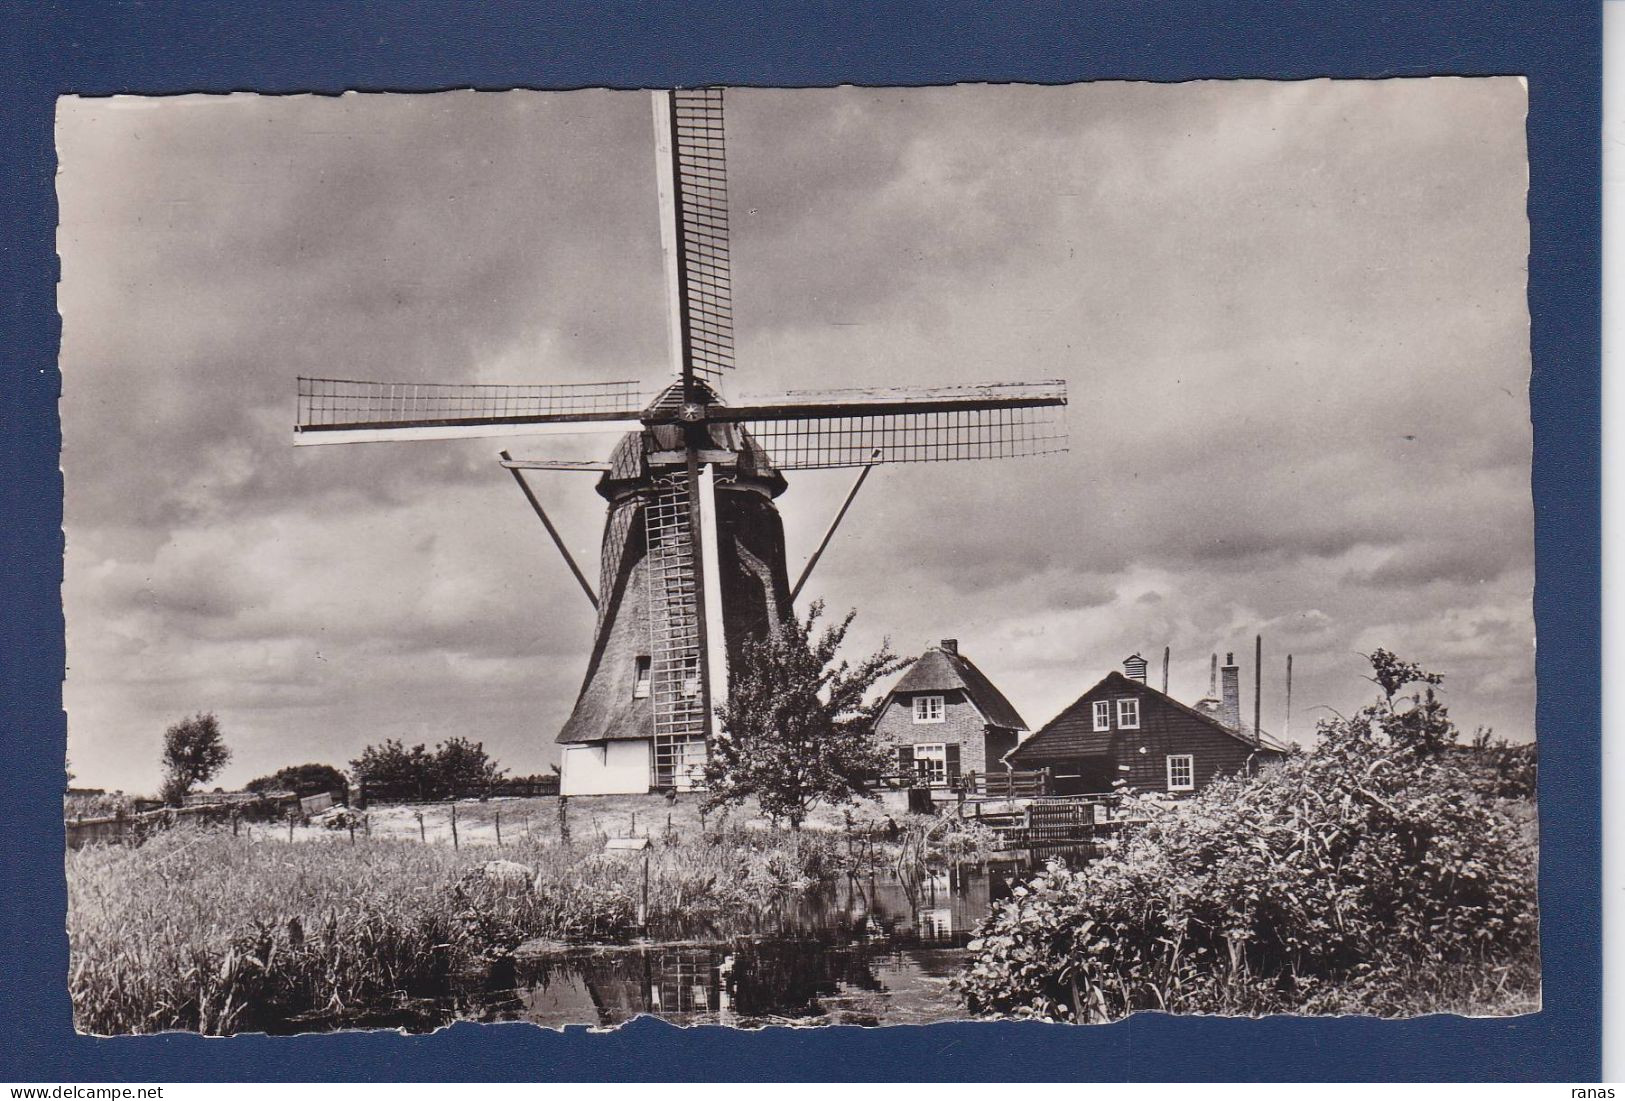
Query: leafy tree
(795, 729)
(462, 766)
(457, 766)
(1391, 674)
(309, 779)
(393, 767)
(1419, 721)
(194, 752)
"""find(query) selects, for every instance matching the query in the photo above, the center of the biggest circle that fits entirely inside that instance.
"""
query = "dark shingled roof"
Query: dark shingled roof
(939, 671)
(1072, 733)
(1067, 740)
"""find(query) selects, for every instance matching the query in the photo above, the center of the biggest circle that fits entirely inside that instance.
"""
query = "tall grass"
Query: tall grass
(202, 931)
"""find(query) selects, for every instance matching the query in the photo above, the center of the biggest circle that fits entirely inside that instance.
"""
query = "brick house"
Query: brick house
(1122, 732)
(945, 718)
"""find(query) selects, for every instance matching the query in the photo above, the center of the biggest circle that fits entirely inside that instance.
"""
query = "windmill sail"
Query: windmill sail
(685, 598)
(810, 430)
(693, 184)
(348, 411)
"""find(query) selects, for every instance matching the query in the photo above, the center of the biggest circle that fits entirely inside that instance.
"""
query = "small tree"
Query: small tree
(463, 766)
(396, 769)
(795, 729)
(1419, 721)
(194, 752)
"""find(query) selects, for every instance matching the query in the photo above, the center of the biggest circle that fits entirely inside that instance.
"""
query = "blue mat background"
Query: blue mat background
(226, 45)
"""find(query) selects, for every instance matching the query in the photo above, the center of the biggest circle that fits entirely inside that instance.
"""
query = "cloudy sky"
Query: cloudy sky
(1292, 317)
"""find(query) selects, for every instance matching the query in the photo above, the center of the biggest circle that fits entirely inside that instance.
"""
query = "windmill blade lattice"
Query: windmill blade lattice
(810, 430)
(334, 406)
(705, 267)
(948, 436)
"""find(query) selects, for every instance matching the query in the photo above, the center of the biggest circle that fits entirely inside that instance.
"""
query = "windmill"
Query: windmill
(692, 564)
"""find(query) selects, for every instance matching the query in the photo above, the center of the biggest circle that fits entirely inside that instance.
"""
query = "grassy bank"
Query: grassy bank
(1365, 876)
(202, 931)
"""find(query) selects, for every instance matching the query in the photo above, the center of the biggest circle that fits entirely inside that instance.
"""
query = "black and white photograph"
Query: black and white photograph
(776, 557)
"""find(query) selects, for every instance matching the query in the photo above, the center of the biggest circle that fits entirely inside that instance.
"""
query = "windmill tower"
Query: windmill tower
(693, 558)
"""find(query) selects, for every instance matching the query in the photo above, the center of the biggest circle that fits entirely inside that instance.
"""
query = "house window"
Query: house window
(640, 686)
(1128, 713)
(1181, 772)
(931, 761)
(928, 709)
(1103, 715)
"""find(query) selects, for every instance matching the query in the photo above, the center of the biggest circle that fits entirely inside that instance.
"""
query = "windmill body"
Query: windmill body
(693, 565)
(643, 676)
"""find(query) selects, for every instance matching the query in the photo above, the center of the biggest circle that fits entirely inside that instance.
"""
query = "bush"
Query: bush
(1501, 769)
(302, 780)
(391, 772)
(1341, 880)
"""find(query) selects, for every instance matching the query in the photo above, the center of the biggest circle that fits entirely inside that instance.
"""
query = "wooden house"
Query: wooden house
(945, 718)
(1124, 733)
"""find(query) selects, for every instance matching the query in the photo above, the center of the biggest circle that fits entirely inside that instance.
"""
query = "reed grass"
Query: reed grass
(202, 931)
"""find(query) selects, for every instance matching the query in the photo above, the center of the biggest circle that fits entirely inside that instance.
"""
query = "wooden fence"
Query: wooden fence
(1052, 820)
(233, 798)
(1006, 785)
(372, 791)
(124, 829)
(214, 806)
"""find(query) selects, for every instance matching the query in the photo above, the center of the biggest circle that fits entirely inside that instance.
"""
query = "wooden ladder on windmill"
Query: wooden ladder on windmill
(674, 637)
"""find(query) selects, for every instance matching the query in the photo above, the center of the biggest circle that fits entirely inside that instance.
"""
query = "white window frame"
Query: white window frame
(933, 710)
(1128, 713)
(1189, 762)
(642, 676)
(1103, 715)
(931, 760)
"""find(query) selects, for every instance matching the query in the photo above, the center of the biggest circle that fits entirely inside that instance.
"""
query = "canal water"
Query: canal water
(870, 951)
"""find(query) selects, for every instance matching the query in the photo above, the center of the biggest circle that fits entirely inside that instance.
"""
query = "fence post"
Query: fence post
(499, 828)
(290, 825)
(422, 834)
(454, 823)
(643, 906)
(564, 819)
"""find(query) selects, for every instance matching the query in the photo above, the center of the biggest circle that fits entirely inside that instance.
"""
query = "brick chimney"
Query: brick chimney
(1134, 668)
(1230, 688)
(949, 646)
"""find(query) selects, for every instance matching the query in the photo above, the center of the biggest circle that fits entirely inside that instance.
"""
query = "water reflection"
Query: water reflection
(870, 951)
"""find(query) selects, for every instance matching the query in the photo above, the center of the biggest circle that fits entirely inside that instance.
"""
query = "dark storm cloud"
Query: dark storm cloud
(1290, 316)
(246, 242)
